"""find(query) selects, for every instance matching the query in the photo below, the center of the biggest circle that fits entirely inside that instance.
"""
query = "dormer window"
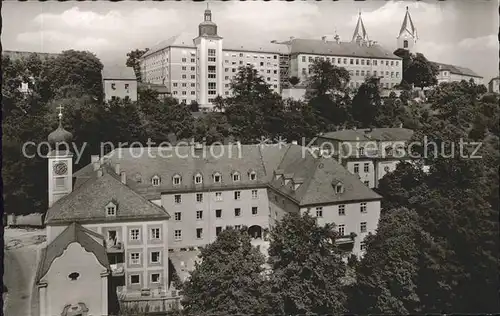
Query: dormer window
(138, 178)
(176, 180)
(217, 177)
(296, 186)
(339, 188)
(236, 177)
(111, 209)
(198, 179)
(155, 181)
(253, 176)
(361, 151)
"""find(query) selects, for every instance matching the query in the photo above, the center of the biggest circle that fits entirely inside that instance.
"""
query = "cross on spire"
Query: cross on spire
(60, 108)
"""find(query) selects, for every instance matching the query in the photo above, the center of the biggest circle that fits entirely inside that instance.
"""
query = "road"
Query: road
(19, 271)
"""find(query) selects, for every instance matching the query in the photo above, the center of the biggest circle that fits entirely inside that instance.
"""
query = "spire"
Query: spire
(360, 31)
(60, 107)
(60, 135)
(408, 26)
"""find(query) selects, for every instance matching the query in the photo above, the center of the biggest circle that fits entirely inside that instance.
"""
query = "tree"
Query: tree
(75, 74)
(326, 78)
(421, 72)
(229, 280)
(294, 81)
(390, 113)
(249, 86)
(386, 277)
(211, 127)
(194, 106)
(133, 58)
(367, 102)
(306, 267)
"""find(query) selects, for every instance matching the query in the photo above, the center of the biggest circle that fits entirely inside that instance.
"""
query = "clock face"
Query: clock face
(60, 168)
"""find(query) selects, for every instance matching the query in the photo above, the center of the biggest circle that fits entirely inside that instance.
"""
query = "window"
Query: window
(155, 181)
(177, 199)
(236, 177)
(362, 246)
(199, 215)
(342, 230)
(183, 60)
(237, 212)
(155, 257)
(217, 178)
(362, 227)
(177, 234)
(366, 167)
(356, 168)
(237, 226)
(184, 76)
(319, 212)
(218, 196)
(362, 207)
(304, 59)
(357, 72)
(367, 183)
(111, 210)
(405, 44)
(362, 72)
(198, 179)
(155, 278)
(135, 258)
(135, 279)
(74, 276)
(155, 233)
(218, 230)
(357, 61)
(177, 216)
(362, 61)
(199, 233)
(211, 85)
(352, 62)
(126, 86)
(183, 67)
(374, 63)
(342, 210)
(199, 197)
(254, 210)
(175, 84)
(237, 195)
(134, 234)
(113, 86)
(254, 194)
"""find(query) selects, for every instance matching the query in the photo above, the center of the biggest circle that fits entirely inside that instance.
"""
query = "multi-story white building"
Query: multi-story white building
(452, 73)
(119, 82)
(200, 67)
(494, 85)
(367, 153)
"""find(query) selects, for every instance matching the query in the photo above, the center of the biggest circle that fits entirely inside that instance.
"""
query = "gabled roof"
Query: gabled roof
(457, 70)
(375, 134)
(317, 176)
(87, 203)
(408, 25)
(360, 30)
(117, 72)
(183, 39)
(73, 233)
(494, 79)
(348, 49)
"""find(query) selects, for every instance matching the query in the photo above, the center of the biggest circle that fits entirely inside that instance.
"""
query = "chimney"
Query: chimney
(117, 168)
(99, 173)
(323, 38)
(96, 165)
(94, 158)
(123, 177)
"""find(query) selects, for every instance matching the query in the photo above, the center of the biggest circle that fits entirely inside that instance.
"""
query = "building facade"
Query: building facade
(200, 67)
(367, 153)
(119, 82)
(494, 85)
(452, 73)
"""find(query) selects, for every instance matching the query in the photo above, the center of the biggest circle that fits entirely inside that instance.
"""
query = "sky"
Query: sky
(460, 32)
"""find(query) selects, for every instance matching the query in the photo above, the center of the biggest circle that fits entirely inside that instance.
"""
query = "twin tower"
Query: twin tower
(406, 39)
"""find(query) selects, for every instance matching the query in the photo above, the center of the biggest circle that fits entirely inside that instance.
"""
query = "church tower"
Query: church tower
(60, 163)
(360, 35)
(209, 62)
(407, 37)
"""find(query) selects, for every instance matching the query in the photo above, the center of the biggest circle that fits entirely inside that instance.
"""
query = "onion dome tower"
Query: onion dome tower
(60, 136)
(207, 27)
(60, 163)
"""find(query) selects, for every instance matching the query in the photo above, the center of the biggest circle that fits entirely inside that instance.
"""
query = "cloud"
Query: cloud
(488, 41)
(99, 32)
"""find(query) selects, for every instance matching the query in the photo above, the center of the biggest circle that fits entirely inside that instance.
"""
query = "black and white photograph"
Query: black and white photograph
(193, 158)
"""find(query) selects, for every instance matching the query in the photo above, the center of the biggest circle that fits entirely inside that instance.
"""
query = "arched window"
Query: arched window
(405, 44)
(217, 177)
(176, 180)
(155, 181)
(198, 179)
